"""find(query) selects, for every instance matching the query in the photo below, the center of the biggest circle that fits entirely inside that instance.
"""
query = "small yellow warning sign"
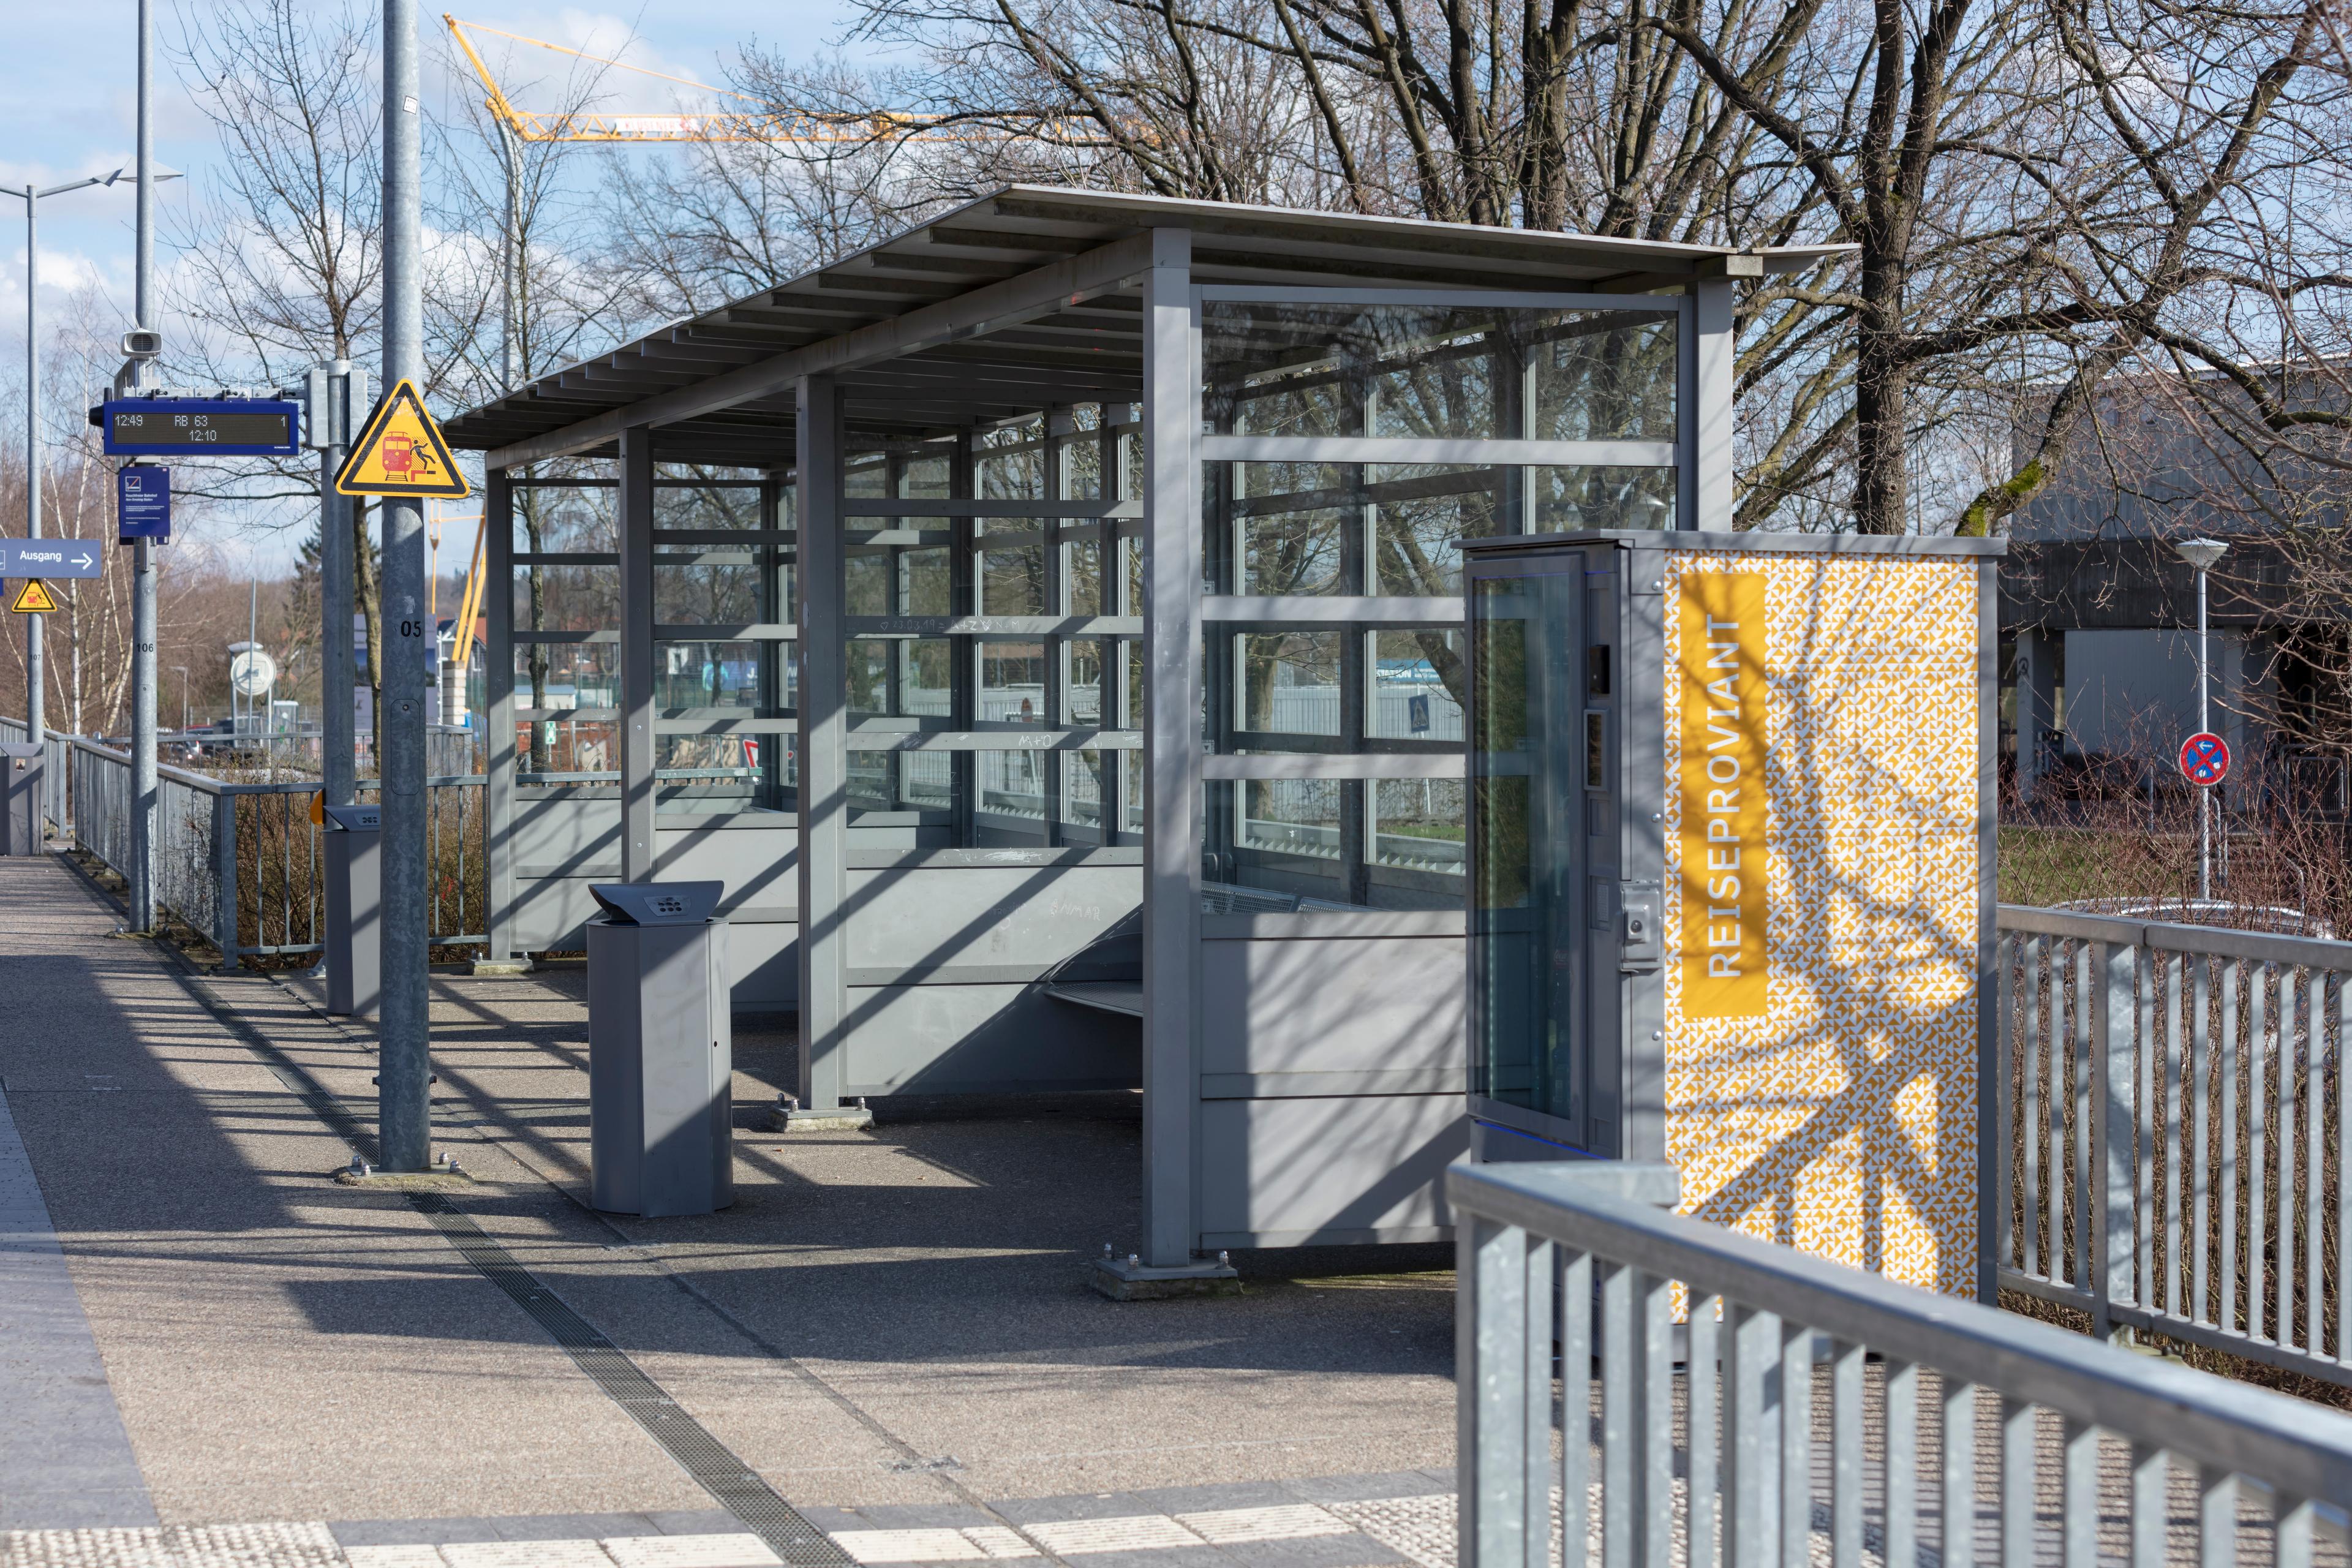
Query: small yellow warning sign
(34, 598)
(400, 452)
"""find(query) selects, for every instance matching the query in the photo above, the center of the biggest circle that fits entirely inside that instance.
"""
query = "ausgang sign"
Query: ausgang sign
(49, 558)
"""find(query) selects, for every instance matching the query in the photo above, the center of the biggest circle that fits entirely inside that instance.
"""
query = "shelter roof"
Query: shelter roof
(1021, 298)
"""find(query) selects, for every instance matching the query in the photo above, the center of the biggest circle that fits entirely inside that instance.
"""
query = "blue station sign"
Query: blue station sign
(210, 426)
(142, 502)
(49, 558)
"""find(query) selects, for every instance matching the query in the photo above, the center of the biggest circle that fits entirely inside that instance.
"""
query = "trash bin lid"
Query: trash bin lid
(657, 903)
(26, 749)
(353, 818)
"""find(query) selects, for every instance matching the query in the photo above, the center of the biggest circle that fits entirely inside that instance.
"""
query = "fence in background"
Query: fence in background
(1833, 1413)
(2174, 1106)
(243, 862)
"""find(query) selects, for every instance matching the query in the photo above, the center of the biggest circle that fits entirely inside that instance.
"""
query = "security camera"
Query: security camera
(141, 343)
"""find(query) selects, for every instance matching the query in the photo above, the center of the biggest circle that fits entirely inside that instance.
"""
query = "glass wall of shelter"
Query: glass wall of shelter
(1067, 686)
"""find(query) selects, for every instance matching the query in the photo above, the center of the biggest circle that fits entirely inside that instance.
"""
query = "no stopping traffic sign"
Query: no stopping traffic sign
(2205, 759)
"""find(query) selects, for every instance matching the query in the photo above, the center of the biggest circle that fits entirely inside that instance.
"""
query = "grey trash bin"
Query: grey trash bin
(20, 790)
(355, 955)
(661, 1053)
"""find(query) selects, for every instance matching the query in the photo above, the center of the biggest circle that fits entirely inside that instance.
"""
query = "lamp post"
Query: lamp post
(2201, 553)
(36, 675)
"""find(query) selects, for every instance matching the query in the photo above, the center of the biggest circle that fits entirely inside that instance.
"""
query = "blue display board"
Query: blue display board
(210, 426)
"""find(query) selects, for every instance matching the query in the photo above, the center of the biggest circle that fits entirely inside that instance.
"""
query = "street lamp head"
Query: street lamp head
(2201, 553)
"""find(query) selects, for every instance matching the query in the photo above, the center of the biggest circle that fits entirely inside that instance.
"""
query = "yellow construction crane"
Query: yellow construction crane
(517, 126)
(720, 125)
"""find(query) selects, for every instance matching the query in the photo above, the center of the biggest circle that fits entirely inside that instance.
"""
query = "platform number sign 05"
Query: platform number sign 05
(2205, 759)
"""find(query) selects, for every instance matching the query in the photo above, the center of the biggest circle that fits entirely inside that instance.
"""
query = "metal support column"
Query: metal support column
(636, 527)
(403, 1095)
(498, 696)
(143, 788)
(335, 391)
(823, 812)
(1706, 477)
(1171, 785)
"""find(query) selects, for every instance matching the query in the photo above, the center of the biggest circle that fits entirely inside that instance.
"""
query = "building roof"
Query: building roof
(1024, 296)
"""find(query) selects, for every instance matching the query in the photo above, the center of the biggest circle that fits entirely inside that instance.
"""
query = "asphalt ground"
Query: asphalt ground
(887, 1319)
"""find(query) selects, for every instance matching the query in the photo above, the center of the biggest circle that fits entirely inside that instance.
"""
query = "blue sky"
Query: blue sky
(70, 110)
(70, 102)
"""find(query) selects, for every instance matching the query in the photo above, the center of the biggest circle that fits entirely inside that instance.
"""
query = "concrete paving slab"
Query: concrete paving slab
(893, 1322)
(65, 1459)
(279, 1347)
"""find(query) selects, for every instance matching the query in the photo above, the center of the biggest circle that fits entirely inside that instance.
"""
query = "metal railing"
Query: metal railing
(1822, 1413)
(54, 757)
(243, 862)
(2174, 1107)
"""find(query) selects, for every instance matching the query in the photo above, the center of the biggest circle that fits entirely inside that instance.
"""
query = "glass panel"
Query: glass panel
(923, 579)
(1013, 581)
(1082, 468)
(1084, 576)
(567, 598)
(1134, 683)
(865, 583)
(567, 675)
(1417, 684)
(1526, 918)
(706, 595)
(869, 781)
(706, 506)
(923, 682)
(1275, 845)
(706, 675)
(1291, 525)
(1290, 683)
(922, 477)
(1082, 780)
(1132, 551)
(1438, 372)
(926, 781)
(1422, 513)
(1012, 682)
(866, 475)
(714, 768)
(869, 661)
(547, 520)
(1569, 499)
(1417, 825)
(1082, 686)
(1013, 784)
(568, 746)
(1010, 475)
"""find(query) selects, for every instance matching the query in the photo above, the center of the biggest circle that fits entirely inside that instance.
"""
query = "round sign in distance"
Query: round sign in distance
(252, 673)
(2204, 759)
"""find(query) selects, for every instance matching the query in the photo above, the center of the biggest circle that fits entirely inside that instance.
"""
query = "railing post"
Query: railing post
(1490, 1410)
(224, 929)
(2114, 1133)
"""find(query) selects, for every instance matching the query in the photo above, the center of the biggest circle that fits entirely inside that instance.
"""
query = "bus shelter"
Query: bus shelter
(1048, 625)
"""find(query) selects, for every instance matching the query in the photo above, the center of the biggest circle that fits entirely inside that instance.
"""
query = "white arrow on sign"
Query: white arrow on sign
(84, 559)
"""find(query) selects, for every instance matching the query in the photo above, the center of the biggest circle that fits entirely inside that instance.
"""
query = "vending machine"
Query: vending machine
(1731, 869)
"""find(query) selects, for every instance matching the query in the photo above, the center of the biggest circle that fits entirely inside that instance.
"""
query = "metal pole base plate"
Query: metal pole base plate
(803, 1118)
(1124, 1280)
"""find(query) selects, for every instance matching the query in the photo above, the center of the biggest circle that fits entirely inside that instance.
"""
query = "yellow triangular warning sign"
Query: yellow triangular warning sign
(400, 452)
(34, 598)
